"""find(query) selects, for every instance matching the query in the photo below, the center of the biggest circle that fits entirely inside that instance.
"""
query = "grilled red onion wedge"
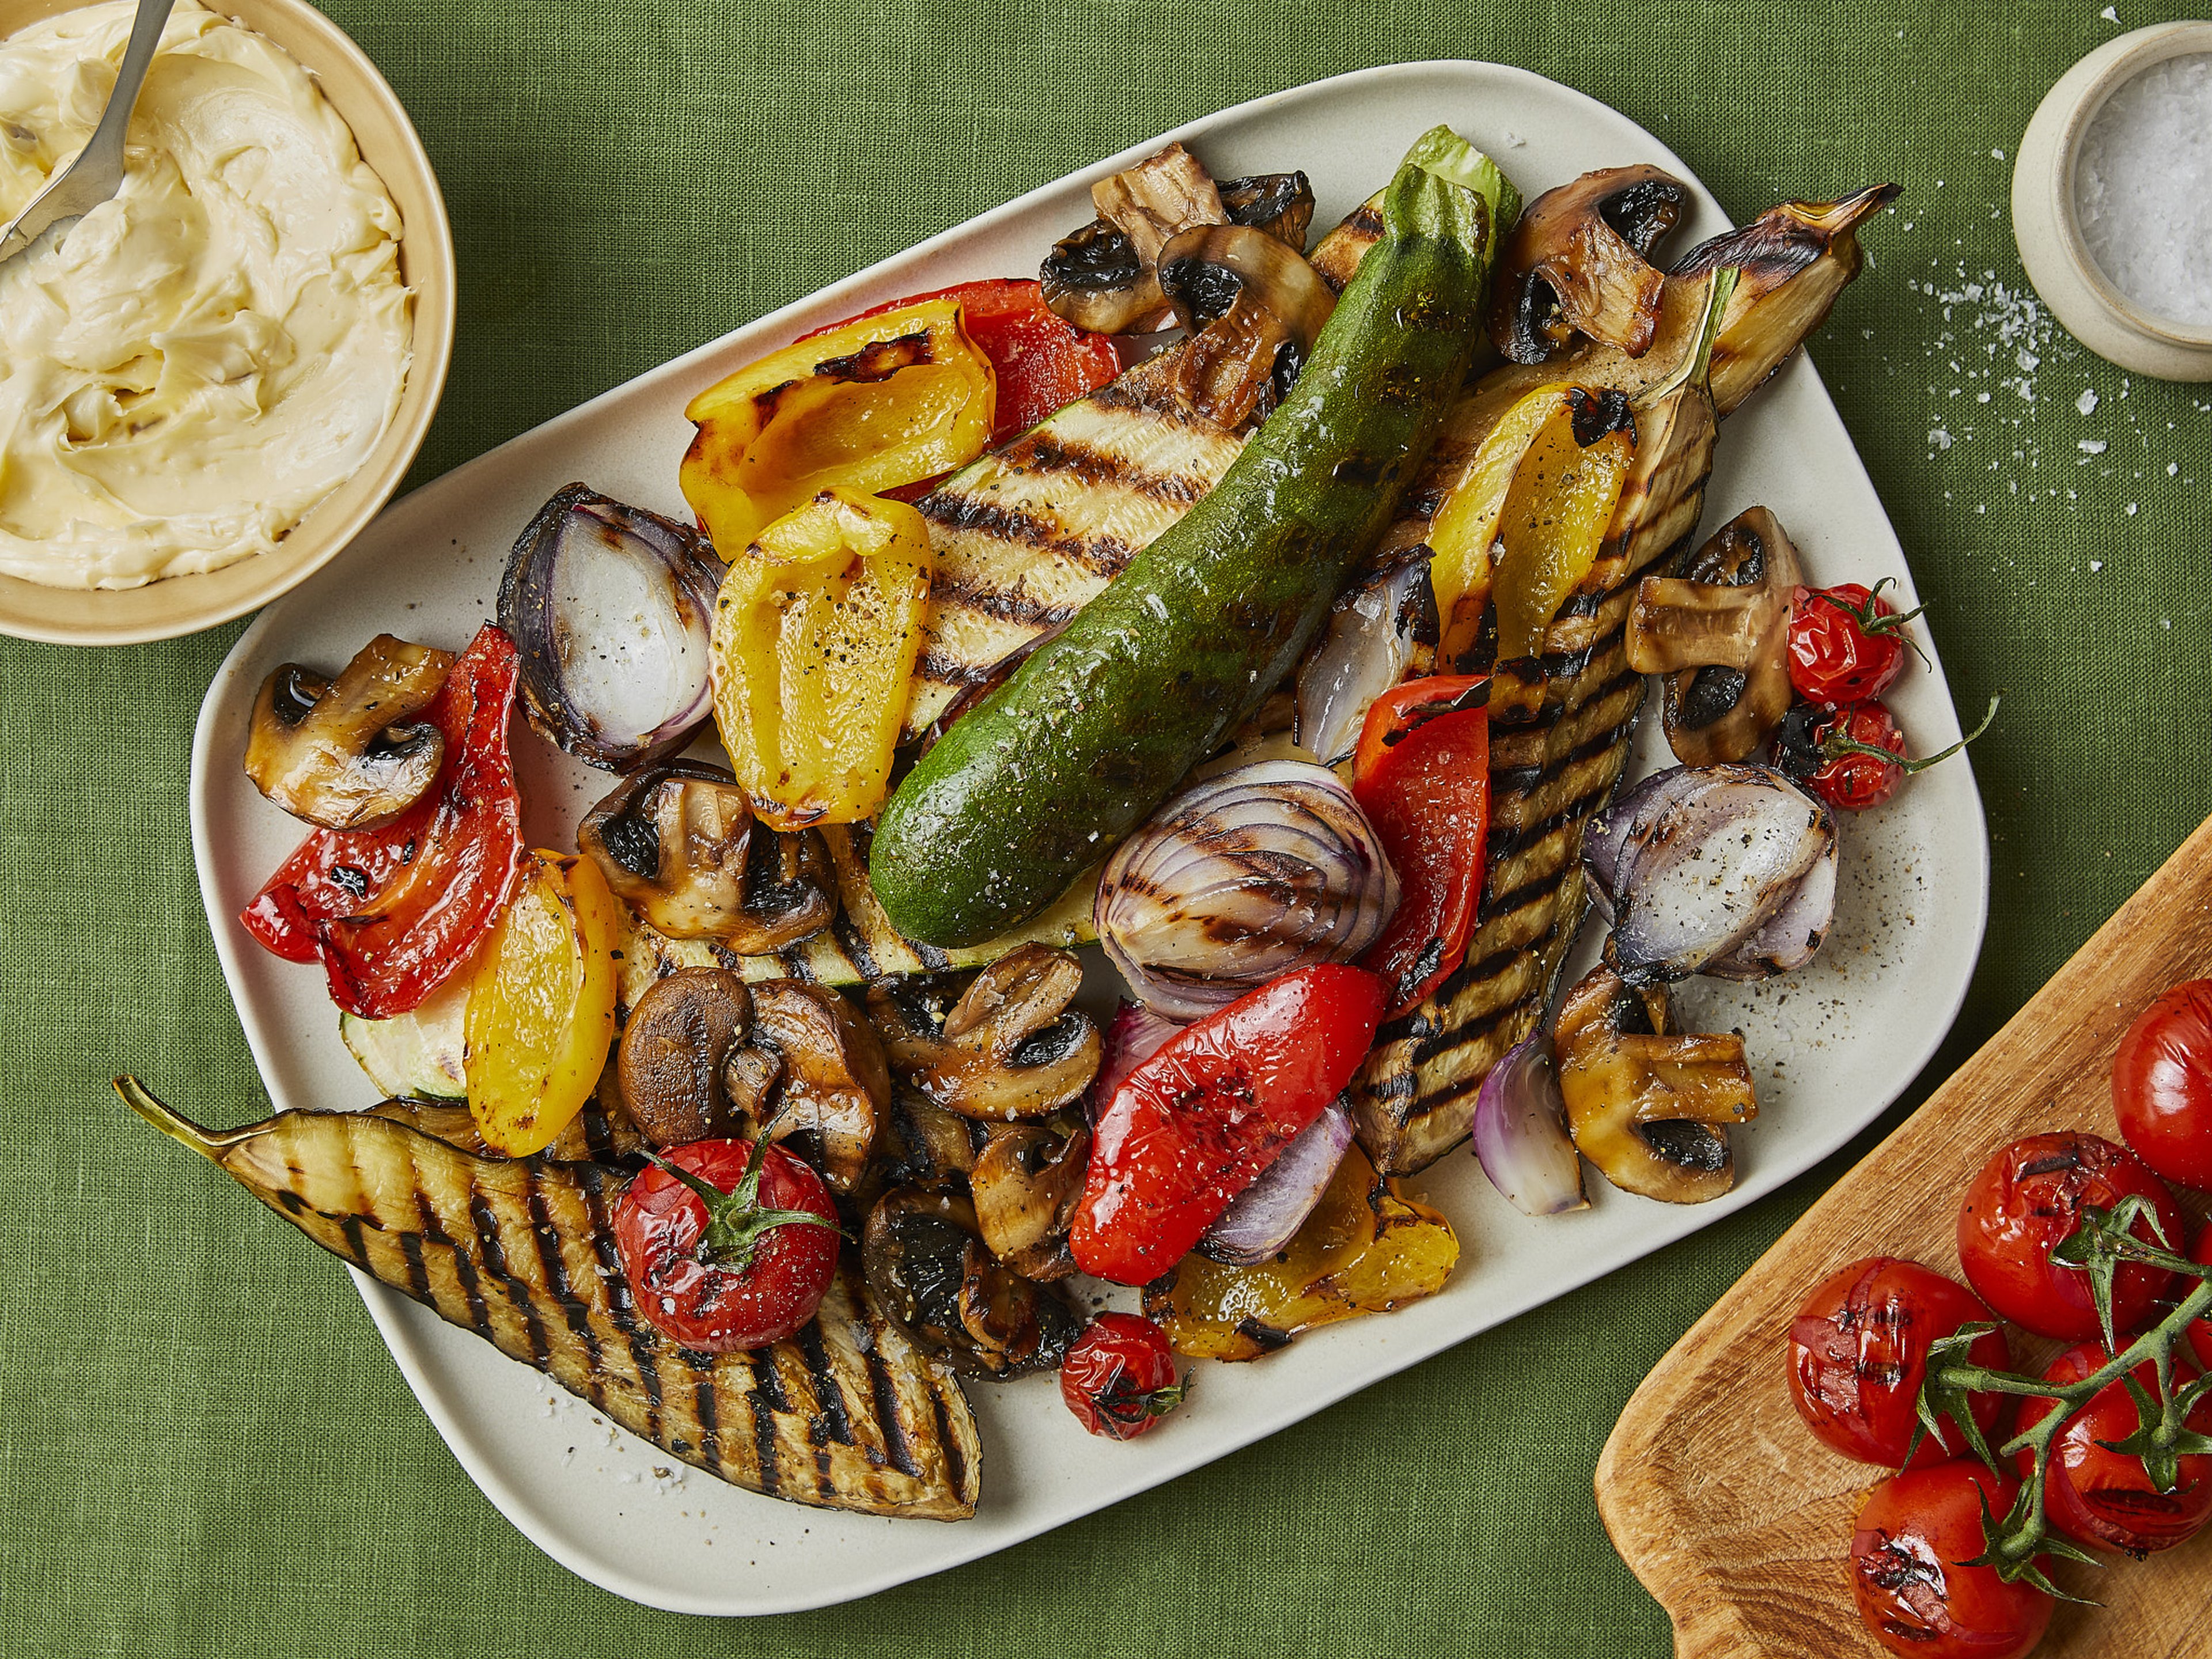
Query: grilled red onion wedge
(1520, 1132)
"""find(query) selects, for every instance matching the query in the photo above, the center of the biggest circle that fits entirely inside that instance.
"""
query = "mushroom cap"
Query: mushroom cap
(347, 754)
(675, 1052)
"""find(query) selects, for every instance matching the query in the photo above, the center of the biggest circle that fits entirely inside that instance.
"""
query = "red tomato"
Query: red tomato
(2162, 1085)
(394, 912)
(1812, 748)
(750, 1273)
(1858, 1352)
(2027, 1200)
(1422, 776)
(1118, 1379)
(1044, 362)
(2104, 1497)
(1845, 644)
(1915, 1531)
(1193, 1126)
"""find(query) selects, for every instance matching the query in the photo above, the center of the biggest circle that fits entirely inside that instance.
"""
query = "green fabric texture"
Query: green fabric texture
(204, 1450)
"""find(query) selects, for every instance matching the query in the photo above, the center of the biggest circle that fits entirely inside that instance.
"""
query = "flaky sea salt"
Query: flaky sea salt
(2087, 402)
(2143, 188)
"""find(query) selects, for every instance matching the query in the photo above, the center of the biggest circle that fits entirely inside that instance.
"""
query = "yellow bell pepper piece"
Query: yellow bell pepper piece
(1366, 1247)
(1525, 527)
(817, 628)
(886, 401)
(541, 1012)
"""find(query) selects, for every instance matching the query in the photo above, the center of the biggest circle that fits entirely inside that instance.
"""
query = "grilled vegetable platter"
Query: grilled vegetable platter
(1046, 851)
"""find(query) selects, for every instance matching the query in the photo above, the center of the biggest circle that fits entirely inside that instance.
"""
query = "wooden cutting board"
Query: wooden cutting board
(1734, 1517)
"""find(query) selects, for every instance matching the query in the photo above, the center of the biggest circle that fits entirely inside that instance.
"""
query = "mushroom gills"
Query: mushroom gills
(348, 754)
(1279, 203)
(1650, 1108)
(834, 1087)
(1010, 1046)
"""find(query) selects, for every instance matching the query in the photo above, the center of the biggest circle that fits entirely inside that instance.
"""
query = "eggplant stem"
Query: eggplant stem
(210, 1145)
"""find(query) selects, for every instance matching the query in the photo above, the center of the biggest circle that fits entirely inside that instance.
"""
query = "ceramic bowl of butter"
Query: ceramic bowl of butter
(211, 382)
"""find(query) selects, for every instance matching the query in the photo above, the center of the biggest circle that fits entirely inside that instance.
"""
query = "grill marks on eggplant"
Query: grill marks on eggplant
(1025, 538)
(847, 1415)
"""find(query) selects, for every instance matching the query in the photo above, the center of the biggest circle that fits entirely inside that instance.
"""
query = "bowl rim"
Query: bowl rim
(2133, 54)
(428, 254)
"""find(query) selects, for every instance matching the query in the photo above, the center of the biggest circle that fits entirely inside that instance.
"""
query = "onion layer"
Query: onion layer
(1726, 870)
(612, 609)
(1263, 1218)
(1369, 638)
(1134, 1037)
(1520, 1132)
(1242, 879)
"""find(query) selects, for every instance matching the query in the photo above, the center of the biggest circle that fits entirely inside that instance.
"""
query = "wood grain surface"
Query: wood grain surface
(1713, 1491)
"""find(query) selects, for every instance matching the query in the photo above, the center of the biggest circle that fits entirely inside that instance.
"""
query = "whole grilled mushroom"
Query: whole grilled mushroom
(673, 1063)
(924, 1257)
(1575, 264)
(1254, 307)
(679, 843)
(347, 753)
(1720, 632)
(1650, 1108)
(1010, 1047)
(1026, 1183)
(1105, 275)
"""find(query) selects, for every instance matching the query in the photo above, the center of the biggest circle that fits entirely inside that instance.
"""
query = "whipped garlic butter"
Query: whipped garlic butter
(195, 364)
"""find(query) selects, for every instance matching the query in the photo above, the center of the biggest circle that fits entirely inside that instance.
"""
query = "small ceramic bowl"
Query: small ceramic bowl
(2045, 224)
(387, 142)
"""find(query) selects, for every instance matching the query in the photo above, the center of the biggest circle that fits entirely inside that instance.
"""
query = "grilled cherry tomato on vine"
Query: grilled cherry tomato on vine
(2106, 1498)
(2162, 1085)
(1845, 644)
(1422, 776)
(1043, 361)
(727, 1244)
(1915, 1594)
(2027, 1200)
(1120, 1377)
(1194, 1125)
(1853, 757)
(394, 912)
(1858, 1351)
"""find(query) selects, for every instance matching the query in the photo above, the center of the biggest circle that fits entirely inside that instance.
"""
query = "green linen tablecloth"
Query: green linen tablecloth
(204, 1450)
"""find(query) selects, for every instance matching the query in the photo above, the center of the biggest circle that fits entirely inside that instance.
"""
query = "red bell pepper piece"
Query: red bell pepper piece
(1043, 361)
(1194, 1125)
(1422, 776)
(394, 912)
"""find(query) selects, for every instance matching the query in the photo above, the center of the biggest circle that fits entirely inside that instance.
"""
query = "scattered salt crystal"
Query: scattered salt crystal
(1514, 141)
(2173, 467)
(1939, 438)
(2093, 445)
(2143, 188)
(1996, 156)
(2131, 509)
(2109, 15)
(2166, 622)
(2087, 402)
(2028, 361)
(2095, 565)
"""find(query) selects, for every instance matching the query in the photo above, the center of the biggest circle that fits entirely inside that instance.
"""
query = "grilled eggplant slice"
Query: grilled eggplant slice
(846, 1415)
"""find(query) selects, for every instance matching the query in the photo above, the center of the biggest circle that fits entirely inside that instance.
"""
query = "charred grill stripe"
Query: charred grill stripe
(465, 1266)
(418, 1275)
(622, 1308)
(1014, 604)
(1465, 1032)
(645, 1353)
(832, 1421)
(555, 1271)
(932, 959)
(885, 1391)
(517, 1287)
(793, 958)
(1050, 452)
(351, 1228)
(710, 1433)
(855, 943)
(764, 1443)
(1101, 555)
(291, 1202)
(767, 1382)
(956, 1466)
(1147, 394)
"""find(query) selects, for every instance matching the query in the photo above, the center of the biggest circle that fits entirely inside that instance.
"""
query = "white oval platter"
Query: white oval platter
(1832, 1046)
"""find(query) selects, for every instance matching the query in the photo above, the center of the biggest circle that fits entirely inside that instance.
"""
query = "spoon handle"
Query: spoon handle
(105, 145)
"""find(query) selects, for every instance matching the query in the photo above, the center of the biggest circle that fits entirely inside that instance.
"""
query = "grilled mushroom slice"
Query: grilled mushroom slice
(679, 843)
(1280, 203)
(924, 1257)
(1720, 632)
(347, 753)
(835, 1085)
(1254, 308)
(1575, 264)
(675, 1054)
(1010, 1047)
(924, 1146)
(1650, 1108)
(1026, 1184)
(1104, 277)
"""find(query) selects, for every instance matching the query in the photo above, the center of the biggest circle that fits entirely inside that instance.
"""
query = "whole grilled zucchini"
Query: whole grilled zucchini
(1095, 729)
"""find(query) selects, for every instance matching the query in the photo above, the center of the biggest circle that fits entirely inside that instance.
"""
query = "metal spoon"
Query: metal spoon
(97, 172)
